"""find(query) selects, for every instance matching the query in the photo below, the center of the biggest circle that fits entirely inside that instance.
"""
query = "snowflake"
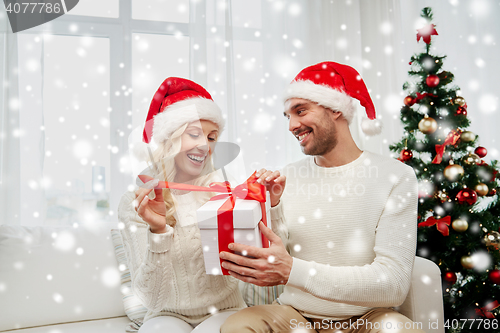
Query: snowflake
(386, 28)
(294, 9)
(57, 298)
(488, 103)
(110, 277)
(64, 241)
(481, 260)
(426, 279)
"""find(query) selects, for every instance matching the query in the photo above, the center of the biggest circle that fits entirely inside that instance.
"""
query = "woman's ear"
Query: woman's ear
(211, 146)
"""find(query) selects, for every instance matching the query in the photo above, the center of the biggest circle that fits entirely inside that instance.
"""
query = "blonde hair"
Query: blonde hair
(164, 158)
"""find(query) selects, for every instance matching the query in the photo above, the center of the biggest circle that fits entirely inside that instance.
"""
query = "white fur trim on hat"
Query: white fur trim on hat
(324, 96)
(183, 112)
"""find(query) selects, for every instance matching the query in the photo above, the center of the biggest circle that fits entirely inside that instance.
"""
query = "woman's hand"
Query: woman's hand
(152, 211)
(274, 182)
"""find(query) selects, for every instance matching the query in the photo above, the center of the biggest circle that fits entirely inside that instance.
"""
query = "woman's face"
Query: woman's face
(196, 148)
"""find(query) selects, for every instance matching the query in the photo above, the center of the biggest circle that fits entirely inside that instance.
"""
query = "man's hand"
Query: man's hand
(274, 182)
(269, 267)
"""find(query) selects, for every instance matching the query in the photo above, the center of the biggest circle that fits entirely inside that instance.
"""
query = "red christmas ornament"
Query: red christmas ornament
(481, 152)
(409, 101)
(405, 155)
(450, 277)
(461, 111)
(491, 193)
(432, 80)
(466, 196)
(494, 276)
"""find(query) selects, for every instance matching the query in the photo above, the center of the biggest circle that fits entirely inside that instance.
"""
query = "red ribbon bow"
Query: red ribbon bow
(485, 311)
(426, 32)
(422, 96)
(451, 139)
(249, 190)
(441, 224)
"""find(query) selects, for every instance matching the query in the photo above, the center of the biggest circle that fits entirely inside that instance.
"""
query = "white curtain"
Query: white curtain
(246, 52)
(10, 209)
(469, 34)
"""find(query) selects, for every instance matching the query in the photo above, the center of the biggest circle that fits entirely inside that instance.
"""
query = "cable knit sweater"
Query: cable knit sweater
(167, 270)
(351, 231)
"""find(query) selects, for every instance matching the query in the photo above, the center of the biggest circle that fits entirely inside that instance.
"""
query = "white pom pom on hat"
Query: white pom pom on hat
(371, 126)
(334, 86)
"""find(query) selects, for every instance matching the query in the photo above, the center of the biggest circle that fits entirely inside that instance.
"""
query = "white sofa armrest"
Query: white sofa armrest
(424, 303)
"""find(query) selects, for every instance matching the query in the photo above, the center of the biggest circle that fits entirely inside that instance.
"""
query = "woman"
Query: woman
(161, 236)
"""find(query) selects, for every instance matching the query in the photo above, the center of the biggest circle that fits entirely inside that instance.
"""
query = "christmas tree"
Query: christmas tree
(459, 207)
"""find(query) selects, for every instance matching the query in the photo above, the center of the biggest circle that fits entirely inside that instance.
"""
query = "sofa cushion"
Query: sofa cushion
(131, 303)
(57, 274)
(255, 295)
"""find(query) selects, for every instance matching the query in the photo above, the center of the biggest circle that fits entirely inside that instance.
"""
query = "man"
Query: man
(347, 217)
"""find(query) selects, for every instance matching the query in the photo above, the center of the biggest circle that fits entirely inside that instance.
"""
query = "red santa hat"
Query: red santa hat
(176, 102)
(334, 86)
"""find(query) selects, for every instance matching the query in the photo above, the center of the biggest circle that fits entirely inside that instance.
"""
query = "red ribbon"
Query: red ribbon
(249, 190)
(451, 139)
(441, 224)
(485, 311)
(422, 96)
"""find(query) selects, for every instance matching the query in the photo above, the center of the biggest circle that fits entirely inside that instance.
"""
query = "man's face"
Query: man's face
(312, 124)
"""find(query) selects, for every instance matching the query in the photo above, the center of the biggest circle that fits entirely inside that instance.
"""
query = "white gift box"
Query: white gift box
(246, 217)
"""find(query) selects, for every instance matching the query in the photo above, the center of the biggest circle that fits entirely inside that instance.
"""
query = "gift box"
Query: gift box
(219, 226)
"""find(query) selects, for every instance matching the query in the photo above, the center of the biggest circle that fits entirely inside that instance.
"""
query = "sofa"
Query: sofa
(68, 280)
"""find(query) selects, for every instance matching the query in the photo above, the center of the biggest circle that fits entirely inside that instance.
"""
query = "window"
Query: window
(97, 8)
(161, 10)
(86, 81)
(76, 124)
(80, 79)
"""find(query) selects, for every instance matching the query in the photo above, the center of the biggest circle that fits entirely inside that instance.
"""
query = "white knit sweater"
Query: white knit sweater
(352, 232)
(167, 270)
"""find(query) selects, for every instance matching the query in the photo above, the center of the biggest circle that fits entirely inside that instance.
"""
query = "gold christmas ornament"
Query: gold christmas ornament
(460, 225)
(492, 239)
(459, 101)
(481, 189)
(453, 172)
(427, 125)
(471, 159)
(441, 195)
(467, 136)
(467, 262)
